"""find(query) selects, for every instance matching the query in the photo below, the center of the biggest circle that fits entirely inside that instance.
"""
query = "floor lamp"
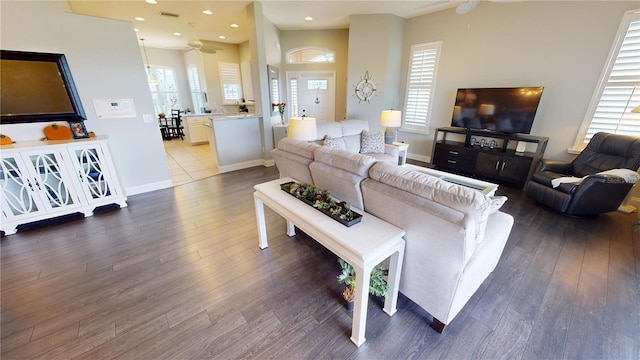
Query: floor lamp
(391, 119)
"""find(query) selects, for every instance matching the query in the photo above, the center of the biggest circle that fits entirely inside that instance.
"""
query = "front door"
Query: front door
(313, 92)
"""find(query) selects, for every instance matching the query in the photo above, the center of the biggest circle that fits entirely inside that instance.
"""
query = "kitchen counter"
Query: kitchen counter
(235, 140)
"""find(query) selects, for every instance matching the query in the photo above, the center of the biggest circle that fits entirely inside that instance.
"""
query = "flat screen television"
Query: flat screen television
(506, 110)
(37, 87)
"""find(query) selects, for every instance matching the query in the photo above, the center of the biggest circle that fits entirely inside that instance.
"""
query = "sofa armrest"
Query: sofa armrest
(560, 167)
(598, 193)
(392, 151)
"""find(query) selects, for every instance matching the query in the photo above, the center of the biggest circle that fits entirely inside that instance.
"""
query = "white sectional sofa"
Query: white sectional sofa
(454, 235)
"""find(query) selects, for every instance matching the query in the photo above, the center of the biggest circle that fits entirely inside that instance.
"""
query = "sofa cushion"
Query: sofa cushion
(298, 147)
(358, 164)
(331, 128)
(471, 202)
(372, 143)
(334, 143)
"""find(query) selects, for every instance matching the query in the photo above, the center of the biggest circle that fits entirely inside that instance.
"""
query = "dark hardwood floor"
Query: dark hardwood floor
(178, 274)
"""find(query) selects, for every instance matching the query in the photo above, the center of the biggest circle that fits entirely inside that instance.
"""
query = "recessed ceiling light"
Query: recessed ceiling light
(222, 37)
(308, 18)
(177, 34)
(136, 29)
(151, 1)
(207, 12)
(234, 25)
(139, 18)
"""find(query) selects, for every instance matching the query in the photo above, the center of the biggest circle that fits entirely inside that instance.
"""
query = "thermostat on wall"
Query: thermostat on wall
(114, 108)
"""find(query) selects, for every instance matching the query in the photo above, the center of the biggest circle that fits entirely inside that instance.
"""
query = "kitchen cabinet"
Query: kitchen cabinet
(196, 131)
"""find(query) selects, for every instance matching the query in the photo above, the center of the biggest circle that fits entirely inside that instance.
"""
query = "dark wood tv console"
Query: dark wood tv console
(487, 154)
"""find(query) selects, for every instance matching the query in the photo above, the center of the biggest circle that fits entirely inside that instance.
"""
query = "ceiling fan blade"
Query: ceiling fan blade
(466, 7)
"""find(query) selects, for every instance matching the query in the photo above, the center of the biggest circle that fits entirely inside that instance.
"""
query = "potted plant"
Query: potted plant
(377, 282)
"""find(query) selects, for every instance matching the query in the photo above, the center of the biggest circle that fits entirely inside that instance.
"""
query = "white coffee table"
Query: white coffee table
(485, 187)
(363, 245)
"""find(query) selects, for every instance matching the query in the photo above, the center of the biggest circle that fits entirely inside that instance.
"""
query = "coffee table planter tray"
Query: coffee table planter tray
(321, 200)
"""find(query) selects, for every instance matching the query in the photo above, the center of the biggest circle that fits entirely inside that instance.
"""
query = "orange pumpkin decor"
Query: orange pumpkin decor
(92, 134)
(57, 132)
(5, 140)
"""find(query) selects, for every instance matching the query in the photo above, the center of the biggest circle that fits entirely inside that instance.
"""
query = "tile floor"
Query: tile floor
(188, 163)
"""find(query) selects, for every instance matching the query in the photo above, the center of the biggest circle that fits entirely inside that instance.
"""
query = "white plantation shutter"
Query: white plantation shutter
(293, 95)
(196, 92)
(619, 90)
(231, 82)
(421, 81)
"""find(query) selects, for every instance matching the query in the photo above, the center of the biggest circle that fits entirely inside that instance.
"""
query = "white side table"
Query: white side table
(403, 148)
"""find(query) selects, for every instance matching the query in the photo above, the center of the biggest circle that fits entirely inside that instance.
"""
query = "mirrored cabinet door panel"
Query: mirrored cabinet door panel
(19, 199)
(52, 180)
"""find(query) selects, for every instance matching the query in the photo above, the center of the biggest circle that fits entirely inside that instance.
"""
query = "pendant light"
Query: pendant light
(150, 76)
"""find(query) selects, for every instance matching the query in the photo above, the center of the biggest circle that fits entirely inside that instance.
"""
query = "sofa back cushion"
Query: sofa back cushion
(298, 147)
(352, 133)
(355, 163)
(331, 129)
(471, 202)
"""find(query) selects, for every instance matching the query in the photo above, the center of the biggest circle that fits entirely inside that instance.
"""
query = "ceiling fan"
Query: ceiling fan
(204, 46)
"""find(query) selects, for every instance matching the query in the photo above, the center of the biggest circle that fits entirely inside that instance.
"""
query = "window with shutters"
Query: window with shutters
(165, 93)
(230, 82)
(293, 95)
(615, 106)
(197, 96)
(423, 67)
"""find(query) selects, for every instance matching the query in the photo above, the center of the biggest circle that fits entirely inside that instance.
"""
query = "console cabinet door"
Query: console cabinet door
(503, 167)
(19, 197)
(52, 180)
(92, 168)
(515, 168)
(488, 165)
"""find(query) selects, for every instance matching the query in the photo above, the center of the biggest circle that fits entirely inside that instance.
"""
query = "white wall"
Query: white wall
(105, 62)
(375, 46)
(561, 45)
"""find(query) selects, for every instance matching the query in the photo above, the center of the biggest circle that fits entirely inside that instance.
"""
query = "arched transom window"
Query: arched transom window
(305, 55)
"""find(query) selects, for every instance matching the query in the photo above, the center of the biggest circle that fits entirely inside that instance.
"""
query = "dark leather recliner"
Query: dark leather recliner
(596, 193)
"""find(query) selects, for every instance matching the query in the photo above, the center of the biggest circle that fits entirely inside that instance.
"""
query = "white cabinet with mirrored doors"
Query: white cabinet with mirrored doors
(44, 180)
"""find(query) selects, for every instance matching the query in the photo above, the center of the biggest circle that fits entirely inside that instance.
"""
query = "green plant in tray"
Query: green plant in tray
(320, 199)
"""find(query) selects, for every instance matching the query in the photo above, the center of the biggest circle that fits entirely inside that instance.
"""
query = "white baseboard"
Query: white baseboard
(269, 163)
(133, 190)
(241, 165)
(419, 157)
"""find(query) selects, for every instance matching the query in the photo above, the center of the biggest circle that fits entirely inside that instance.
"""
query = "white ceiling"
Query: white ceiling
(157, 30)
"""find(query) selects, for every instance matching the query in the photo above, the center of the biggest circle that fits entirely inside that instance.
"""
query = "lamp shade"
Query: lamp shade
(391, 118)
(302, 128)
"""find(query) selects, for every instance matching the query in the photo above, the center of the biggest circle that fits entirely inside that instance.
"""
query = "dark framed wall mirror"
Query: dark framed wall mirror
(37, 87)
(274, 87)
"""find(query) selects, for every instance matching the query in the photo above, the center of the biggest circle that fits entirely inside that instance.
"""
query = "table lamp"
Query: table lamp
(391, 119)
(302, 128)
